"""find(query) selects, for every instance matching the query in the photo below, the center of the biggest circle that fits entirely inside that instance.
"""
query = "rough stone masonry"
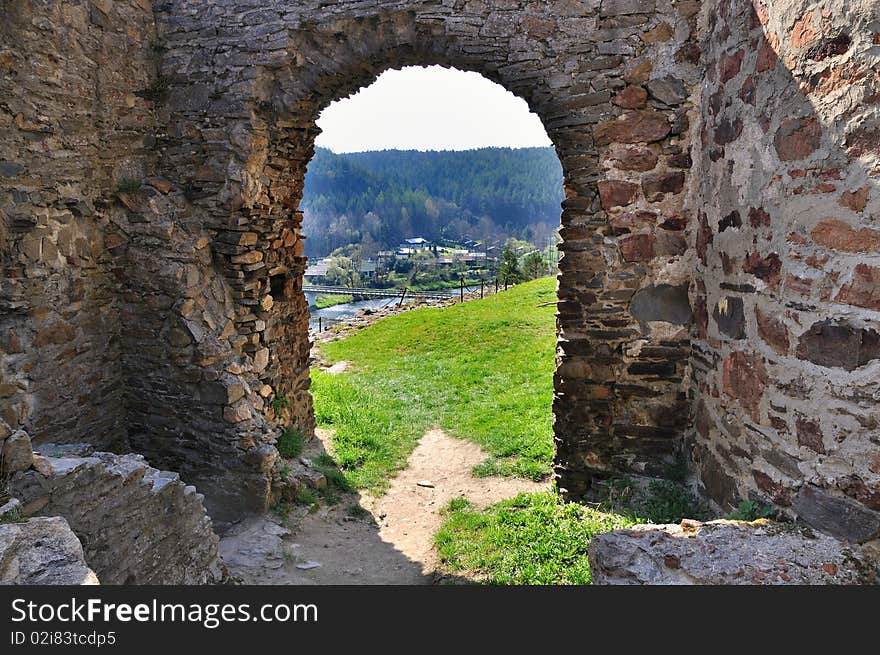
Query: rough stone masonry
(718, 296)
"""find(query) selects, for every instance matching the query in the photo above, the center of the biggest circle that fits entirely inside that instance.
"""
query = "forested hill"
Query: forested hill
(383, 197)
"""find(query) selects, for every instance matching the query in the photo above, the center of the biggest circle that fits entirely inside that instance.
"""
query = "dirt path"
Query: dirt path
(388, 541)
(408, 512)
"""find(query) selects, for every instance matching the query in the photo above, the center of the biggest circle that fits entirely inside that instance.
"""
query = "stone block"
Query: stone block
(835, 515)
(726, 553)
(838, 344)
(662, 302)
(17, 453)
(42, 551)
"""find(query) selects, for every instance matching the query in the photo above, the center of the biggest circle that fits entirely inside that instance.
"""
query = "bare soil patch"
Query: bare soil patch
(367, 540)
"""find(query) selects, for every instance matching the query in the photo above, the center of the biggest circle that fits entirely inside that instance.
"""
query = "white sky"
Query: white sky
(432, 108)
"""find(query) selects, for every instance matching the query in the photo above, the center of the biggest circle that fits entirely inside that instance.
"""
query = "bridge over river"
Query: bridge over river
(379, 293)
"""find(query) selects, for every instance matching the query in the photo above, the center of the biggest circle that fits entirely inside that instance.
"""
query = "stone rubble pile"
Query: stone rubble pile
(138, 525)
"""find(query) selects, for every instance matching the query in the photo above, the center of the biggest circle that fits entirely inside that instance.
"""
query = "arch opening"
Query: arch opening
(619, 403)
(438, 187)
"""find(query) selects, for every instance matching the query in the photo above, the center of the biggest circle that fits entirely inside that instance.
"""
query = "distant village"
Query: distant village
(414, 253)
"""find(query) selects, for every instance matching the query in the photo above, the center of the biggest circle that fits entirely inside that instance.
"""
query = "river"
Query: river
(331, 315)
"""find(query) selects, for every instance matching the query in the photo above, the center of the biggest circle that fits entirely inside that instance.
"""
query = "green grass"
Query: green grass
(481, 370)
(290, 443)
(530, 539)
(663, 501)
(329, 300)
(749, 510)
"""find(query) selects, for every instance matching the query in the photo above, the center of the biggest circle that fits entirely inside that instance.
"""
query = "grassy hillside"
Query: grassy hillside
(481, 370)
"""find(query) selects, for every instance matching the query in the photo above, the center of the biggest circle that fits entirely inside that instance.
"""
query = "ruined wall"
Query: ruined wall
(786, 360)
(610, 80)
(72, 128)
(137, 525)
(719, 165)
(624, 314)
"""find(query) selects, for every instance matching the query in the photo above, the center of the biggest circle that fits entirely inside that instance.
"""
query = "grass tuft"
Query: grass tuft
(291, 443)
(128, 186)
(663, 501)
(531, 539)
(331, 300)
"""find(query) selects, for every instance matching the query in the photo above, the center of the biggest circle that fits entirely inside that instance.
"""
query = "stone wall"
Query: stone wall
(138, 525)
(717, 285)
(72, 127)
(785, 362)
(611, 82)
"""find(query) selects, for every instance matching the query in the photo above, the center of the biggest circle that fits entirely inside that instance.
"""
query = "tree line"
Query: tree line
(380, 198)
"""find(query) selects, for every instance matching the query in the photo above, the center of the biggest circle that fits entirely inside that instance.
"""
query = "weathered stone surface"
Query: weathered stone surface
(766, 268)
(656, 185)
(633, 127)
(669, 243)
(863, 289)
(781, 168)
(631, 97)
(856, 200)
(758, 217)
(836, 344)
(635, 159)
(139, 525)
(731, 220)
(617, 193)
(726, 553)
(730, 318)
(745, 379)
(668, 90)
(730, 65)
(797, 138)
(836, 515)
(252, 548)
(16, 453)
(804, 31)
(773, 332)
(10, 510)
(663, 302)
(625, 7)
(835, 234)
(729, 129)
(42, 551)
(55, 334)
(660, 34)
(809, 434)
(638, 247)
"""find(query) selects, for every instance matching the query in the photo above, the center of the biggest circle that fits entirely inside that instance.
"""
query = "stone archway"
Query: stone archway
(242, 104)
(150, 172)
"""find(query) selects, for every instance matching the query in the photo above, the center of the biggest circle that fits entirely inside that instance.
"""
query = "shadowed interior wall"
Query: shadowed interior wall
(71, 128)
